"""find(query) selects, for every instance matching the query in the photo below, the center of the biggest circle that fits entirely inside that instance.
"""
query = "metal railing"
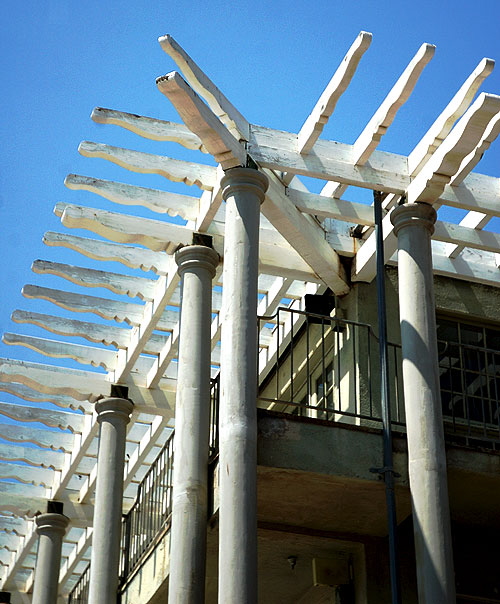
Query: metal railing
(80, 592)
(149, 516)
(325, 368)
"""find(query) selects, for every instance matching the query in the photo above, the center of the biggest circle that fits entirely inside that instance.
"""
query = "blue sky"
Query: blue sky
(272, 59)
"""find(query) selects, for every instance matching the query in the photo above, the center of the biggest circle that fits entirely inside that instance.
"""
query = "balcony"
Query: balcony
(325, 371)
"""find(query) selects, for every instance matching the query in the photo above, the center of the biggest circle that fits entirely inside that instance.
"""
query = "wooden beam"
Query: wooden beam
(152, 316)
(108, 335)
(86, 385)
(428, 186)
(163, 202)
(149, 127)
(176, 170)
(325, 106)
(307, 237)
(53, 419)
(328, 161)
(125, 285)
(156, 235)
(327, 207)
(370, 137)
(111, 310)
(198, 117)
(86, 355)
(131, 256)
(27, 474)
(57, 441)
(28, 394)
(218, 103)
(475, 220)
(444, 122)
(32, 456)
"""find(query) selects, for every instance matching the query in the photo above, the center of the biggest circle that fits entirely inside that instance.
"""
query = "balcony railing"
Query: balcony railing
(329, 368)
(325, 368)
(80, 592)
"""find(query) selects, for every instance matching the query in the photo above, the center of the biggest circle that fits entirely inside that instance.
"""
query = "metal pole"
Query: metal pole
(388, 470)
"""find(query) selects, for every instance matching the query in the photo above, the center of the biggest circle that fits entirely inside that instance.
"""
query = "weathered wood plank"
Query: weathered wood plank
(112, 310)
(126, 285)
(152, 315)
(163, 202)
(15, 526)
(156, 235)
(441, 127)
(314, 124)
(149, 127)
(48, 439)
(86, 385)
(133, 257)
(78, 384)
(53, 419)
(327, 207)
(370, 137)
(177, 170)
(307, 237)
(218, 103)
(27, 474)
(429, 184)
(199, 118)
(327, 161)
(32, 456)
(100, 334)
(86, 355)
(28, 394)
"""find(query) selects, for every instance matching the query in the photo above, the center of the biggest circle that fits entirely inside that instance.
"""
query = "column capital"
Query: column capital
(197, 256)
(414, 214)
(114, 407)
(50, 523)
(244, 180)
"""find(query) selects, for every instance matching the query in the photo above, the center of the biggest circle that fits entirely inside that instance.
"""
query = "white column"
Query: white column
(414, 225)
(243, 189)
(51, 528)
(113, 414)
(197, 264)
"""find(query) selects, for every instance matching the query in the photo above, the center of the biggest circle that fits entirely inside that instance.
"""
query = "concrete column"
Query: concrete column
(188, 535)
(414, 225)
(243, 190)
(51, 528)
(113, 415)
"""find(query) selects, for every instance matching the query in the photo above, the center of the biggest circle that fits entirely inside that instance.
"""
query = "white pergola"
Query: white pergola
(304, 239)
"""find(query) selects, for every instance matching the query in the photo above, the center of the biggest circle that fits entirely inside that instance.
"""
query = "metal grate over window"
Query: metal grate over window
(469, 368)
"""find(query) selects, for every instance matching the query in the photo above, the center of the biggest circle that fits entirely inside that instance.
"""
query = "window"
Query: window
(469, 363)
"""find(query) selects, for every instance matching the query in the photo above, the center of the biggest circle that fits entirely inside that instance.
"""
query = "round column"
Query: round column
(414, 225)
(197, 265)
(243, 189)
(51, 529)
(113, 415)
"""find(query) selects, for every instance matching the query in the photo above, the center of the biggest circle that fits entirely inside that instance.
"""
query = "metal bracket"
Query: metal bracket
(382, 471)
